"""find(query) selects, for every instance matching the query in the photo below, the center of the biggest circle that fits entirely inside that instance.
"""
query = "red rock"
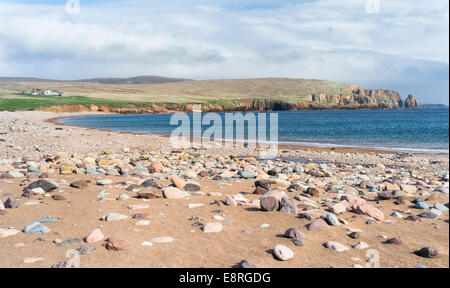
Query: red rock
(95, 236)
(155, 167)
(353, 200)
(115, 244)
(369, 211)
(294, 233)
(314, 191)
(260, 190)
(270, 201)
(203, 174)
(80, 184)
(178, 182)
(318, 225)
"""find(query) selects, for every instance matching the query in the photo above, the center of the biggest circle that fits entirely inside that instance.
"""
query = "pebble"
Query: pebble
(214, 227)
(332, 219)
(338, 208)
(115, 244)
(103, 182)
(440, 207)
(396, 214)
(195, 205)
(114, 217)
(162, 239)
(247, 264)
(95, 236)
(294, 233)
(360, 245)
(31, 260)
(123, 197)
(143, 223)
(86, 250)
(336, 246)
(173, 193)
(11, 203)
(36, 228)
(318, 225)
(429, 215)
(395, 241)
(8, 232)
(138, 206)
(297, 242)
(427, 252)
(422, 205)
(283, 253)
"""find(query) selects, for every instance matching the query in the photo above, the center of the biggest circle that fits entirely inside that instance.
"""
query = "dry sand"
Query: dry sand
(80, 213)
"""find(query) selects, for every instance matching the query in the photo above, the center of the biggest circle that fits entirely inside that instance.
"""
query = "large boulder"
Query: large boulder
(288, 205)
(271, 201)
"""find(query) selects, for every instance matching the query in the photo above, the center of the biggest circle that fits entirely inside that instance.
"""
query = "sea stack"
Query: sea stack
(411, 102)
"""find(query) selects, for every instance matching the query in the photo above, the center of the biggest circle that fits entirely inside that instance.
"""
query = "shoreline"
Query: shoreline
(301, 147)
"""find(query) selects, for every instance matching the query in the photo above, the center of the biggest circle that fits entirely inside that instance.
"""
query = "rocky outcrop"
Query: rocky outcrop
(411, 102)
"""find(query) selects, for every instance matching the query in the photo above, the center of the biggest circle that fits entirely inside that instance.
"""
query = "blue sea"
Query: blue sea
(420, 130)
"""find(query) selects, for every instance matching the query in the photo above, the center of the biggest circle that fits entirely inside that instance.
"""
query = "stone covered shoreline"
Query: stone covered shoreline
(129, 200)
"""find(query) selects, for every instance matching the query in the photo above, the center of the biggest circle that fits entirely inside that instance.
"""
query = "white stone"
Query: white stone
(31, 260)
(336, 246)
(173, 193)
(103, 182)
(143, 223)
(38, 191)
(214, 227)
(162, 239)
(361, 245)
(283, 253)
(114, 217)
(7, 232)
(195, 205)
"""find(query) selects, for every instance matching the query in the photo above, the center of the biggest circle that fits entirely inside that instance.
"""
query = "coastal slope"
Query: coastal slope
(265, 94)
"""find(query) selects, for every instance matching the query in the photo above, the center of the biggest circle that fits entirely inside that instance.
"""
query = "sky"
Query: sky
(403, 45)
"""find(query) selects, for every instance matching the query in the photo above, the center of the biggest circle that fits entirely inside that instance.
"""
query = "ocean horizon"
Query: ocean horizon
(414, 131)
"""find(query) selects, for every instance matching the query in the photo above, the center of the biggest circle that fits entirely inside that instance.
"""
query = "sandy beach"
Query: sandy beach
(390, 204)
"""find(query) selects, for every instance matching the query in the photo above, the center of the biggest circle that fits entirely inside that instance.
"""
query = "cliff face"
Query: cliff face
(411, 102)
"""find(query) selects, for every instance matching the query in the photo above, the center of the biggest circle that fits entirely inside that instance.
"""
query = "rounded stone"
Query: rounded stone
(283, 253)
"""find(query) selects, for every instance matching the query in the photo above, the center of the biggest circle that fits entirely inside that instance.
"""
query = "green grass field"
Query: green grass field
(14, 102)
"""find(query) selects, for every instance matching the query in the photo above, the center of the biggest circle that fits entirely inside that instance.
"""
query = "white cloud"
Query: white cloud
(327, 39)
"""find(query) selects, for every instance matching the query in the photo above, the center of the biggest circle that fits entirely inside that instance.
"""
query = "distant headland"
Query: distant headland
(156, 94)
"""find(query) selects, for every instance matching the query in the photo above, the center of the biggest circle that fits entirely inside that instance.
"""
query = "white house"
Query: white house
(52, 92)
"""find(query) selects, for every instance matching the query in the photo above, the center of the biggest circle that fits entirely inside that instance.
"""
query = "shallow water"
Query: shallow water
(420, 130)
